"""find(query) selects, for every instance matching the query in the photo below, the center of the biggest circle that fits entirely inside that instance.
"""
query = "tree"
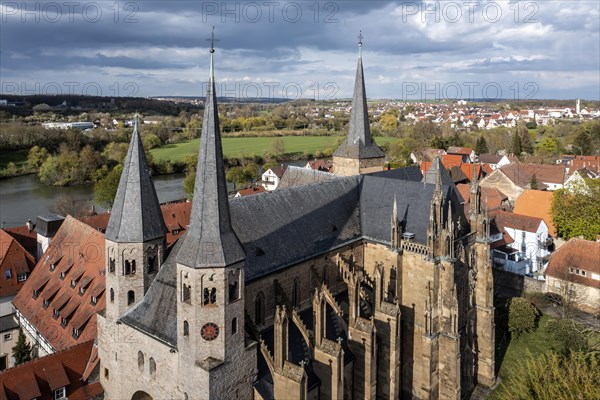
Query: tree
(526, 142)
(481, 146)
(278, 147)
(554, 376)
(577, 214)
(189, 183)
(533, 184)
(516, 146)
(151, 141)
(66, 204)
(522, 316)
(22, 349)
(547, 146)
(105, 189)
(389, 123)
(568, 333)
(36, 157)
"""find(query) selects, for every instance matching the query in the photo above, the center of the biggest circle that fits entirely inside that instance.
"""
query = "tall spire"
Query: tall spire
(136, 215)
(359, 143)
(210, 240)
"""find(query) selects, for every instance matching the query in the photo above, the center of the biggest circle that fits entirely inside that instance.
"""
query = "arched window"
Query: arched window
(133, 267)
(234, 326)
(186, 328)
(127, 269)
(130, 297)
(205, 296)
(152, 264)
(141, 361)
(259, 309)
(448, 244)
(234, 286)
(296, 293)
(187, 293)
(213, 296)
(111, 265)
(112, 295)
(152, 364)
(324, 276)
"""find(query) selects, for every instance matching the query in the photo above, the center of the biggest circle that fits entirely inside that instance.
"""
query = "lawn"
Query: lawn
(19, 157)
(249, 146)
(536, 343)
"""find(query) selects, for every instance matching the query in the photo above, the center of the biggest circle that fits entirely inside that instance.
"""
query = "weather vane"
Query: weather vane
(212, 40)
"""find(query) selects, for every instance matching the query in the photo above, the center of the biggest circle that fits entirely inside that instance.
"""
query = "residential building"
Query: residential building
(16, 265)
(70, 374)
(574, 274)
(536, 203)
(57, 305)
(495, 161)
(519, 243)
(250, 190)
(272, 176)
(467, 154)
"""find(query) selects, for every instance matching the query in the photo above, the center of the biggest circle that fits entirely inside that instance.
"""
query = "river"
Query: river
(25, 197)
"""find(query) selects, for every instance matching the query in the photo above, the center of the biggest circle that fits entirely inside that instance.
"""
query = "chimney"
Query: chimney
(46, 227)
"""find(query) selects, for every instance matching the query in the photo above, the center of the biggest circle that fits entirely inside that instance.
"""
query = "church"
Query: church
(370, 285)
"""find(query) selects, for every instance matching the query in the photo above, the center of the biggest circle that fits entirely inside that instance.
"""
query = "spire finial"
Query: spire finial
(360, 43)
(212, 41)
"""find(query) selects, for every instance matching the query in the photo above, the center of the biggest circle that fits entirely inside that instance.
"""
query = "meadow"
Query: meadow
(250, 146)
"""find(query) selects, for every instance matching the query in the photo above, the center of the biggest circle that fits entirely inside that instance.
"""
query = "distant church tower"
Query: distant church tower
(135, 236)
(358, 154)
(210, 280)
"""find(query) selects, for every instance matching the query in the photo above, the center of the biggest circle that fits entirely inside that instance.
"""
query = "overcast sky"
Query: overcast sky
(412, 50)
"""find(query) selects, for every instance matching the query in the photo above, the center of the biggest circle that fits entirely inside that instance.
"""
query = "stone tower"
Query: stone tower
(135, 236)
(210, 279)
(358, 154)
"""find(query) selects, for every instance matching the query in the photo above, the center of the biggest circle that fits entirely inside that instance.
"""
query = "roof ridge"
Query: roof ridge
(47, 358)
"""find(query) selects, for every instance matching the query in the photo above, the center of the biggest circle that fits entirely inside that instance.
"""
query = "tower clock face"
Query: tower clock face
(209, 331)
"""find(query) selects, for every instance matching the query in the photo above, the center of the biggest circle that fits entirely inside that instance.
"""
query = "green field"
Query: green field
(250, 146)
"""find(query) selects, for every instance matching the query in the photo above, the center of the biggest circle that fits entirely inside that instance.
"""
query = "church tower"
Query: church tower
(358, 154)
(210, 278)
(135, 236)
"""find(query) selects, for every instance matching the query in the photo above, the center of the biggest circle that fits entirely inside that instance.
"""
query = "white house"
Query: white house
(519, 242)
(272, 176)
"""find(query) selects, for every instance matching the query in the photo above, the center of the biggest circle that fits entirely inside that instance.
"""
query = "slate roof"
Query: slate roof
(297, 176)
(210, 241)
(359, 144)
(78, 251)
(437, 167)
(156, 314)
(410, 173)
(284, 227)
(136, 215)
(41, 377)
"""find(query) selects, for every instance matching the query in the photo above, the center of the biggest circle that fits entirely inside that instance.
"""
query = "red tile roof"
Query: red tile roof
(504, 219)
(521, 173)
(466, 151)
(579, 254)
(536, 203)
(41, 377)
(252, 190)
(77, 251)
(27, 238)
(494, 197)
(14, 260)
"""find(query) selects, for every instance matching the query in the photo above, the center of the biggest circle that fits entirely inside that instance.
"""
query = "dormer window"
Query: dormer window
(55, 314)
(81, 291)
(60, 393)
(8, 274)
(94, 300)
(73, 283)
(52, 267)
(21, 277)
(63, 275)
(63, 322)
(46, 303)
(36, 293)
(75, 333)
